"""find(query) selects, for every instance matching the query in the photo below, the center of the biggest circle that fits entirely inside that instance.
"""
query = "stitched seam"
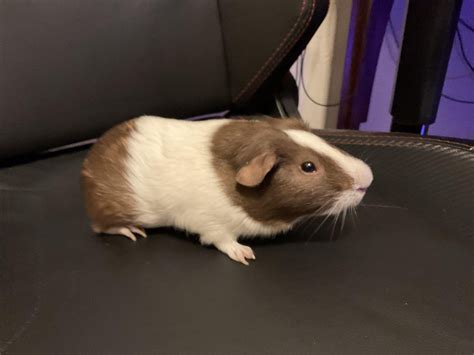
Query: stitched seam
(426, 140)
(426, 146)
(276, 53)
(281, 50)
(289, 45)
(224, 53)
(403, 144)
(287, 48)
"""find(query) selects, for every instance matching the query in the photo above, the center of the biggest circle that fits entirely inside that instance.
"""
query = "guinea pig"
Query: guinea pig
(221, 179)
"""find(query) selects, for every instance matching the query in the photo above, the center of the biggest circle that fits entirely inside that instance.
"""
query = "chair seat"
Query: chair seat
(396, 278)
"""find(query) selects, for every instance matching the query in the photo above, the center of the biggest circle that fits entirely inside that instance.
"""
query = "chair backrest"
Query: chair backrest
(71, 69)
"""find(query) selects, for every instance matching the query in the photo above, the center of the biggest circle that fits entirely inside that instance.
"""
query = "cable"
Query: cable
(461, 46)
(468, 26)
(458, 35)
(458, 100)
(297, 72)
(392, 29)
(300, 73)
(304, 87)
(395, 39)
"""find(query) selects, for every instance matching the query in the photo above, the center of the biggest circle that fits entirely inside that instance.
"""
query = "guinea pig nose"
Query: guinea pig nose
(362, 189)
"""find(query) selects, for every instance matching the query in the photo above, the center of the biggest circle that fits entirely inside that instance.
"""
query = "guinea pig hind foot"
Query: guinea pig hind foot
(127, 232)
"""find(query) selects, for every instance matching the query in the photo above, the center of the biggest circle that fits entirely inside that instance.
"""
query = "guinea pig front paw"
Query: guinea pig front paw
(128, 232)
(236, 251)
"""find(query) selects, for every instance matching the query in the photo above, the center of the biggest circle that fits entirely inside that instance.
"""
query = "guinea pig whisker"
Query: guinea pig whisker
(364, 154)
(366, 158)
(309, 218)
(306, 220)
(334, 225)
(343, 220)
(353, 213)
(335, 210)
(322, 209)
(382, 206)
(317, 229)
(350, 218)
(370, 155)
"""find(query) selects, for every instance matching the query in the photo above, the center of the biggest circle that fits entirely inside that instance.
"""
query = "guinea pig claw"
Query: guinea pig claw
(138, 230)
(243, 260)
(237, 252)
(248, 252)
(125, 232)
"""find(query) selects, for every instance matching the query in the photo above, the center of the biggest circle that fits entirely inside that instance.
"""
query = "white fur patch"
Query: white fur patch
(175, 183)
(355, 168)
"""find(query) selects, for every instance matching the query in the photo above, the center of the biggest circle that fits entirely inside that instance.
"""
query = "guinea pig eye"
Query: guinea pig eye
(308, 167)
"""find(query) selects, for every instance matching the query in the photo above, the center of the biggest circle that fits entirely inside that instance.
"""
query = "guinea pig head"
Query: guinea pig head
(280, 175)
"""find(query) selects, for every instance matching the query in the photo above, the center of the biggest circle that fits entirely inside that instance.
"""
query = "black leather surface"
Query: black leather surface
(396, 280)
(70, 69)
(269, 41)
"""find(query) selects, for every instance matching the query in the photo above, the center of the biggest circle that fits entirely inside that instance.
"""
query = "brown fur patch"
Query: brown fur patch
(108, 198)
(286, 193)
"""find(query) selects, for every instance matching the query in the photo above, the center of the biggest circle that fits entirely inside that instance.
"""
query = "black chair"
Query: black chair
(395, 279)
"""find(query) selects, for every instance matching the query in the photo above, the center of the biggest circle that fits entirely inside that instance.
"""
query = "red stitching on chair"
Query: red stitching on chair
(280, 51)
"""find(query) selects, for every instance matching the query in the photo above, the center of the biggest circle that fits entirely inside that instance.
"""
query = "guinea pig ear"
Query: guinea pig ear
(253, 173)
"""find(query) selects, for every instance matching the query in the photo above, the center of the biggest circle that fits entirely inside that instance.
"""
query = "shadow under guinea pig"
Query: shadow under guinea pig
(314, 230)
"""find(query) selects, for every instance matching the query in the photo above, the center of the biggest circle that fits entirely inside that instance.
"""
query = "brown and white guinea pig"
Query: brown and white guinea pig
(222, 179)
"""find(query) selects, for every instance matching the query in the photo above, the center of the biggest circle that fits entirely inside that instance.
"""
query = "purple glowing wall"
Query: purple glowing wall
(454, 119)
